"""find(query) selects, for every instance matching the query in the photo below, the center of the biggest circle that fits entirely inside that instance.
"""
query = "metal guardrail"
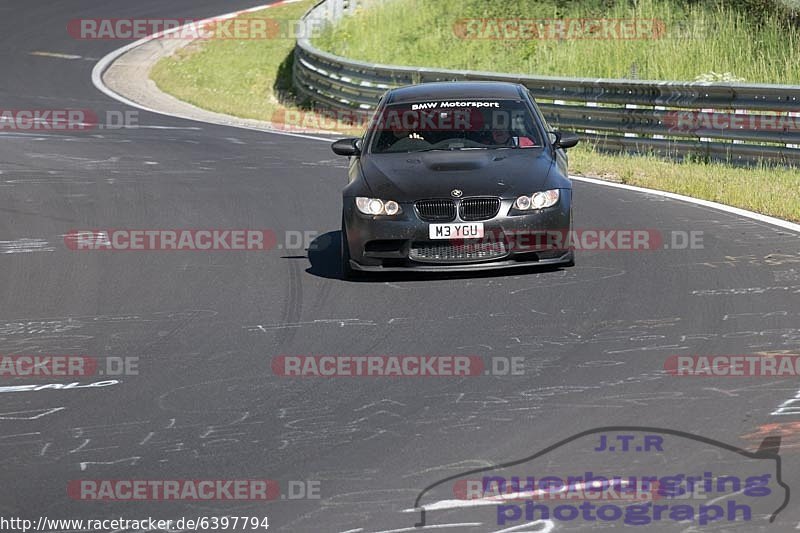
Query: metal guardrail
(739, 123)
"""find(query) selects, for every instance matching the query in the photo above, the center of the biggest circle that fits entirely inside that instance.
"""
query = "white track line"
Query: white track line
(105, 62)
(432, 526)
(547, 527)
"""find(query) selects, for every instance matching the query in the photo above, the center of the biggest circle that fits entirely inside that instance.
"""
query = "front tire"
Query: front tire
(570, 262)
(347, 271)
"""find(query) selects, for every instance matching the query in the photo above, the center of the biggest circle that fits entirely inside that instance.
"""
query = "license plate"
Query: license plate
(456, 231)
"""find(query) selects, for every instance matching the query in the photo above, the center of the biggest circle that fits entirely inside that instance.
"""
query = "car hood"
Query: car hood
(408, 177)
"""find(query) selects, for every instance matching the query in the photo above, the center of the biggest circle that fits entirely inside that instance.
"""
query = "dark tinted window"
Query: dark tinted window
(454, 125)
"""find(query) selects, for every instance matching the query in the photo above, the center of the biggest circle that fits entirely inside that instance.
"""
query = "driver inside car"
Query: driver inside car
(502, 138)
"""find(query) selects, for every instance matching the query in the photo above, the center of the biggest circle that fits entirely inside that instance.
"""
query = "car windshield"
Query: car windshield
(454, 125)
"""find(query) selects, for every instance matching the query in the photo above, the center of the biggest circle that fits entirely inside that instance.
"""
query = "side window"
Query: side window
(545, 124)
(368, 134)
(373, 118)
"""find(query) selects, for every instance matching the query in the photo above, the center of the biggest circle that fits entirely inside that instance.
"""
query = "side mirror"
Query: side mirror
(565, 139)
(347, 147)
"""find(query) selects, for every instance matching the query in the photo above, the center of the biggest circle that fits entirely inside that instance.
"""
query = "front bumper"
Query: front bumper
(402, 243)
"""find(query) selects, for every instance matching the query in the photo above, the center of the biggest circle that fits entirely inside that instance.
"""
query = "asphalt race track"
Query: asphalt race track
(205, 326)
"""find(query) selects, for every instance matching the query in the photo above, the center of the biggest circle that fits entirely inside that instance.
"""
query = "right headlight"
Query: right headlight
(376, 206)
(538, 200)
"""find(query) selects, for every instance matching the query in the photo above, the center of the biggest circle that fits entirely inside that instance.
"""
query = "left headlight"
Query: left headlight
(376, 206)
(538, 200)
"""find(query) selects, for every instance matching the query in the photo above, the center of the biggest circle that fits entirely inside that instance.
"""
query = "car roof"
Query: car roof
(454, 89)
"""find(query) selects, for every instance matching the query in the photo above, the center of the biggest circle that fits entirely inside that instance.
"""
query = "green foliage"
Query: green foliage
(740, 37)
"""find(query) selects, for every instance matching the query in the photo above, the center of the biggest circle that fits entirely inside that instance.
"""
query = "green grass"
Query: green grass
(252, 79)
(246, 78)
(763, 189)
(700, 38)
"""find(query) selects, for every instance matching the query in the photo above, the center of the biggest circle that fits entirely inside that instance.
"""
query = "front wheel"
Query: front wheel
(570, 262)
(347, 270)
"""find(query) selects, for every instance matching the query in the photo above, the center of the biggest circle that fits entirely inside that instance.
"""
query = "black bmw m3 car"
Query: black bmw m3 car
(456, 176)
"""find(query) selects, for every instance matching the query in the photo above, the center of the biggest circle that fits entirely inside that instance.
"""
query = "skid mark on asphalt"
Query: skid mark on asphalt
(746, 291)
(459, 466)
(33, 414)
(80, 162)
(787, 275)
(299, 426)
(659, 348)
(45, 343)
(539, 279)
(335, 163)
(22, 246)
(572, 277)
(339, 322)
(75, 334)
(38, 326)
(132, 443)
(293, 304)
(130, 461)
(656, 334)
(774, 259)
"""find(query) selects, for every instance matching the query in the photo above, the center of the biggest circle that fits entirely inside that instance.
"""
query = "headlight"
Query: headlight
(523, 203)
(375, 206)
(539, 200)
(391, 207)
